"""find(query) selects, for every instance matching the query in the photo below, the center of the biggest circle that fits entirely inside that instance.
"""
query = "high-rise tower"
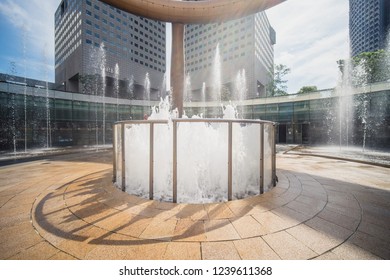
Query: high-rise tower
(245, 43)
(136, 44)
(369, 23)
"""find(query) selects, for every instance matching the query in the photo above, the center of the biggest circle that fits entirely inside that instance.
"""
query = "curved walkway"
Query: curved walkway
(67, 208)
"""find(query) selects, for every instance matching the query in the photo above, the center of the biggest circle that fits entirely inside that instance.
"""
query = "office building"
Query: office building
(245, 43)
(369, 23)
(90, 32)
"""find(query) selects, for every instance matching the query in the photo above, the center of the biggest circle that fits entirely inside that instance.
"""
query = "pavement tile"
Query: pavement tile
(315, 240)
(344, 199)
(149, 250)
(8, 233)
(219, 251)
(109, 252)
(374, 219)
(14, 220)
(328, 256)
(374, 245)
(144, 210)
(183, 251)
(272, 222)
(291, 215)
(247, 226)
(346, 211)
(135, 226)
(4, 199)
(349, 251)
(192, 211)
(189, 230)
(79, 249)
(339, 219)
(260, 208)
(374, 230)
(240, 210)
(309, 210)
(86, 217)
(23, 241)
(114, 221)
(41, 251)
(217, 211)
(159, 229)
(311, 201)
(62, 256)
(287, 247)
(218, 230)
(255, 249)
(329, 228)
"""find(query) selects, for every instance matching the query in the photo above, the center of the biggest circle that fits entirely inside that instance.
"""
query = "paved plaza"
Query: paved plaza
(65, 207)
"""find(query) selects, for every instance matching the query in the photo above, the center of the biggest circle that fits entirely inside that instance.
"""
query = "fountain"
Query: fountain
(116, 89)
(216, 79)
(194, 160)
(147, 87)
(131, 87)
(12, 72)
(98, 83)
(203, 98)
(163, 89)
(199, 160)
(187, 88)
(25, 86)
(241, 89)
(102, 56)
(349, 118)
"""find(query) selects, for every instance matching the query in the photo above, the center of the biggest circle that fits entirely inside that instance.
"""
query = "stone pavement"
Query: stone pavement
(65, 207)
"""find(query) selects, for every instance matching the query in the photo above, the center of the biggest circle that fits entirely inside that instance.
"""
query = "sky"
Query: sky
(311, 37)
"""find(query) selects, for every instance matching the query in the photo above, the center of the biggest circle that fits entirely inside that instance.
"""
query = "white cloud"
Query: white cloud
(35, 20)
(311, 37)
(14, 13)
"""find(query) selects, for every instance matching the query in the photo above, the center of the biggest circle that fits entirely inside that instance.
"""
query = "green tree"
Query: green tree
(278, 84)
(371, 67)
(306, 89)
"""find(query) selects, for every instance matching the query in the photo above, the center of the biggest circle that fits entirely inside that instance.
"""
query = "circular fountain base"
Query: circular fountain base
(194, 160)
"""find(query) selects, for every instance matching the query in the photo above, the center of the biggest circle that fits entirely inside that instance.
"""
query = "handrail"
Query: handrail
(205, 120)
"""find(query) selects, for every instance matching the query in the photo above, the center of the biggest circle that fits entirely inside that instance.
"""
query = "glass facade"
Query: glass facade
(44, 118)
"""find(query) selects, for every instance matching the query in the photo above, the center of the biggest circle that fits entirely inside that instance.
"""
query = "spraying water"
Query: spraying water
(203, 98)
(116, 89)
(147, 87)
(241, 88)
(163, 89)
(25, 87)
(131, 87)
(187, 88)
(48, 123)
(216, 77)
(102, 57)
(201, 158)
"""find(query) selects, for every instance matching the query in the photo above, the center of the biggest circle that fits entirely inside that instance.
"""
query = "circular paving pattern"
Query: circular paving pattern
(74, 211)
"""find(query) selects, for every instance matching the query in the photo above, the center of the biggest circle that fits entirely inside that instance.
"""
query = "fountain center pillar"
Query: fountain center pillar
(177, 66)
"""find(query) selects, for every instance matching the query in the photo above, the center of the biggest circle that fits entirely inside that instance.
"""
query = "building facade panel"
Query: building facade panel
(369, 22)
(90, 33)
(245, 43)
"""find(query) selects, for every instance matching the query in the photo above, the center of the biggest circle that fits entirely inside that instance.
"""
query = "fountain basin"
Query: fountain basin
(194, 160)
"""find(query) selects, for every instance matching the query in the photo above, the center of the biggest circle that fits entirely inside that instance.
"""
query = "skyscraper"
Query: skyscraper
(369, 23)
(244, 44)
(90, 32)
